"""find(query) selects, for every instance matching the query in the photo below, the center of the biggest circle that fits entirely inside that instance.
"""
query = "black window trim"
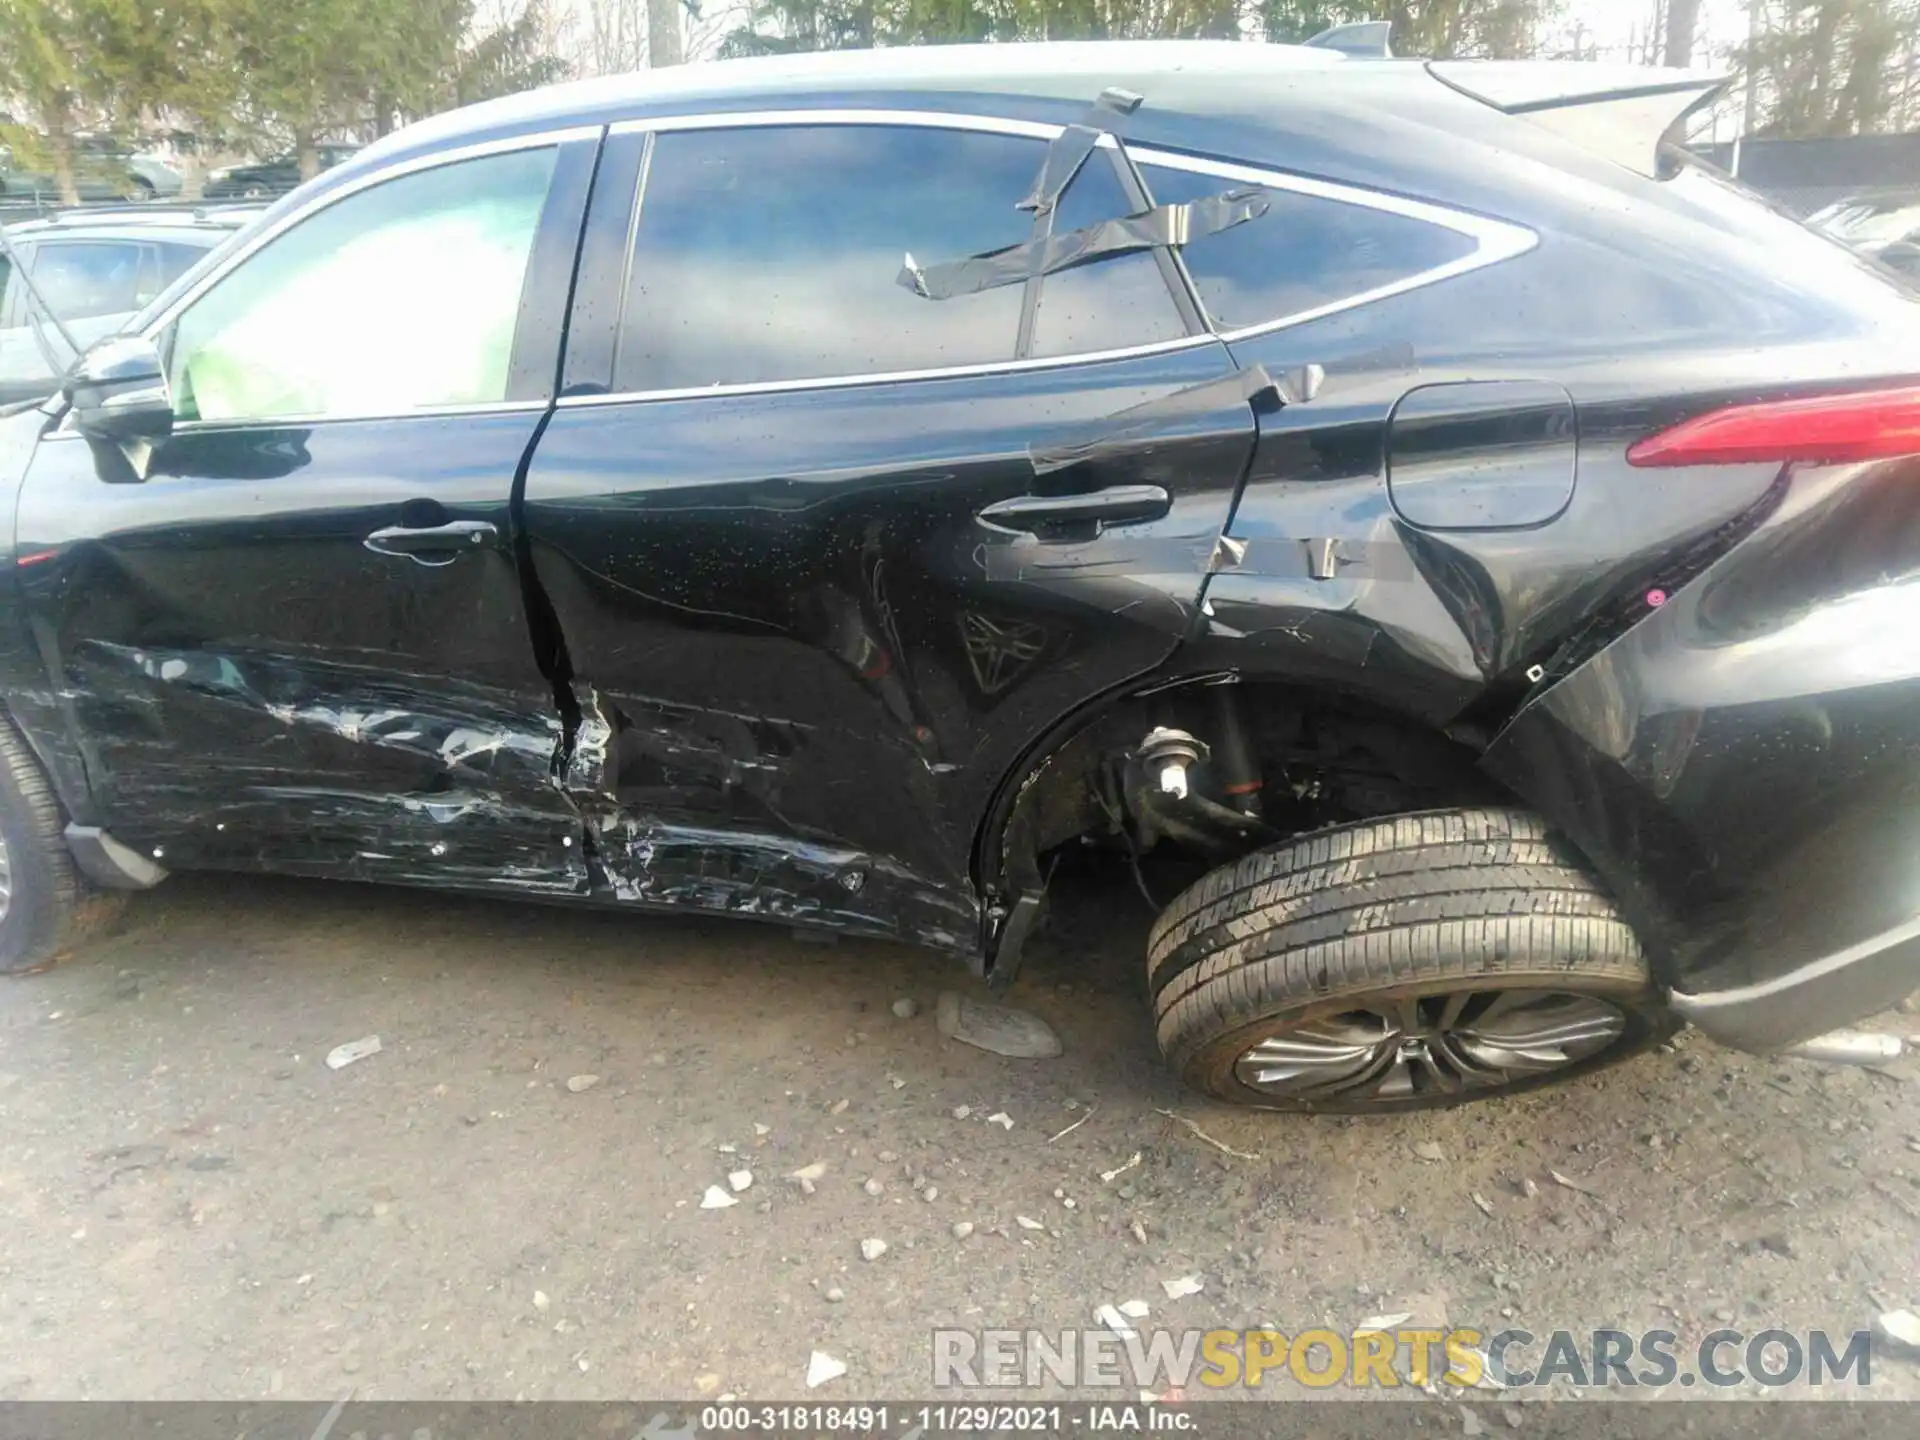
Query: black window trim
(589, 374)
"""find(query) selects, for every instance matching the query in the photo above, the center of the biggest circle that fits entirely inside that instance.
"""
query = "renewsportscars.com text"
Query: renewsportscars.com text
(1197, 1361)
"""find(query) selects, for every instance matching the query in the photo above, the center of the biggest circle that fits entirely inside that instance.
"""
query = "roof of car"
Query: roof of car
(1083, 67)
(196, 225)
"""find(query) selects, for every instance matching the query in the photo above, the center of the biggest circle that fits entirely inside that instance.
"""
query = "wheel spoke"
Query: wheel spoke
(1424, 1061)
(1450, 1012)
(1406, 1014)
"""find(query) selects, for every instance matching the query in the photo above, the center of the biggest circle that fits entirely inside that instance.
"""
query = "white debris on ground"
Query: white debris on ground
(580, 1084)
(342, 1056)
(716, 1199)
(1902, 1327)
(1184, 1286)
(1002, 1119)
(999, 1029)
(1381, 1323)
(1110, 1316)
(872, 1249)
(1569, 1183)
(822, 1367)
(739, 1180)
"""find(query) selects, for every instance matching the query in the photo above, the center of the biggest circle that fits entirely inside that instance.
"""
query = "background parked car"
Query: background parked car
(270, 177)
(95, 270)
(105, 169)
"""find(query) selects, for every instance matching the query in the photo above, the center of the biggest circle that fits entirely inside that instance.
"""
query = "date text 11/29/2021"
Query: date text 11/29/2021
(915, 1420)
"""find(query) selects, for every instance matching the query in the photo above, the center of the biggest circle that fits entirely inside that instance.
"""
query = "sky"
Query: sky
(1619, 23)
(1614, 26)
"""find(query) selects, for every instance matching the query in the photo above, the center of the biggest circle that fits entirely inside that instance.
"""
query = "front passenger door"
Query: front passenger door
(299, 643)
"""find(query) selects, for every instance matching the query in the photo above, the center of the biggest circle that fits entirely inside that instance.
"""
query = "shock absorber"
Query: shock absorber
(1235, 764)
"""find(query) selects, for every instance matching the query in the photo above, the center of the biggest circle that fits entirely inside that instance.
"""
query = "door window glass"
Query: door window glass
(774, 253)
(401, 297)
(82, 281)
(1107, 304)
(1304, 253)
(769, 254)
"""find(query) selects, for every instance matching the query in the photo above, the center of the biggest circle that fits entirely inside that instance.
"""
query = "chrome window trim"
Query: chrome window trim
(360, 417)
(68, 431)
(253, 244)
(912, 119)
(1496, 241)
(891, 377)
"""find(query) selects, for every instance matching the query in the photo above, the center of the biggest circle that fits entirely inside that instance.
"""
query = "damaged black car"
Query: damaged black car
(1479, 543)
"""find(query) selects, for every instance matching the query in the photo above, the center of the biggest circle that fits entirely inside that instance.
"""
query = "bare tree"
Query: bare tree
(1683, 26)
(663, 34)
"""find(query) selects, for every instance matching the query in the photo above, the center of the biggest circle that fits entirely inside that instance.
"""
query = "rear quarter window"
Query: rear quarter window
(1305, 254)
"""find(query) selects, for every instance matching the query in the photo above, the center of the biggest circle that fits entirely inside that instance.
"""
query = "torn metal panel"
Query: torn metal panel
(647, 861)
(629, 747)
(320, 704)
(468, 840)
(1070, 149)
(327, 769)
(1164, 225)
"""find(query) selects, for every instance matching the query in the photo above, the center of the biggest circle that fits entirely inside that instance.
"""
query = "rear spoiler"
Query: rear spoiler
(1363, 40)
(1624, 112)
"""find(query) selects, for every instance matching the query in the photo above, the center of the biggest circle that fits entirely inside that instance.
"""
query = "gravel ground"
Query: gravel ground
(198, 1207)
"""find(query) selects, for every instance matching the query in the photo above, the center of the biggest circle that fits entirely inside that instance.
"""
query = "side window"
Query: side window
(769, 254)
(1107, 304)
(170, 262)
(85, 280)
(1306, 252)
(401, 297)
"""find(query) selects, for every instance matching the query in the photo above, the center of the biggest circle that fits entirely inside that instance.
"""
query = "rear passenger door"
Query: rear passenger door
(789, 516)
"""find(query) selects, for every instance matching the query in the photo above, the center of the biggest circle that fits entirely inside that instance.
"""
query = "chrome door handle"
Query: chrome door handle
(432, 544)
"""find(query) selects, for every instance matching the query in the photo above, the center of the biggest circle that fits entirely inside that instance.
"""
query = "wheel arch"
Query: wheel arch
(1038, 805)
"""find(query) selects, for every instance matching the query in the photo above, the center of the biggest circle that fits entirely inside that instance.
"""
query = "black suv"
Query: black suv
(1480, 545)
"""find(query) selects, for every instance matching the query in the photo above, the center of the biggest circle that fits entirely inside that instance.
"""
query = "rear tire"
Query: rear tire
(1399, 964)
(43, 897)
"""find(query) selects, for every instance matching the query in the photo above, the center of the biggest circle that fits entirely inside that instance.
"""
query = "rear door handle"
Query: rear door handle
(432, 544)
(1116, 505)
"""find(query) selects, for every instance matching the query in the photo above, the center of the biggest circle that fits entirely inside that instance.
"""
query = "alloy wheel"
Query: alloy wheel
(1431, 1045)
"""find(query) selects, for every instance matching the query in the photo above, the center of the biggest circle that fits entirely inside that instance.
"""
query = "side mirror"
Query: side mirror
(119, 395)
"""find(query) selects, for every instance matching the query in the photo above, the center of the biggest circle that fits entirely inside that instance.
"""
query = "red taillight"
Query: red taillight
(1825, 429)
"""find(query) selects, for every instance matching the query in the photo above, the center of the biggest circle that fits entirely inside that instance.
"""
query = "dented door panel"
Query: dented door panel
(251, 686)
(804, 662)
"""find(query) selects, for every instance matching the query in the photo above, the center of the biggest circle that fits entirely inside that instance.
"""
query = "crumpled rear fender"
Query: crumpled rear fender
(1743, 765)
